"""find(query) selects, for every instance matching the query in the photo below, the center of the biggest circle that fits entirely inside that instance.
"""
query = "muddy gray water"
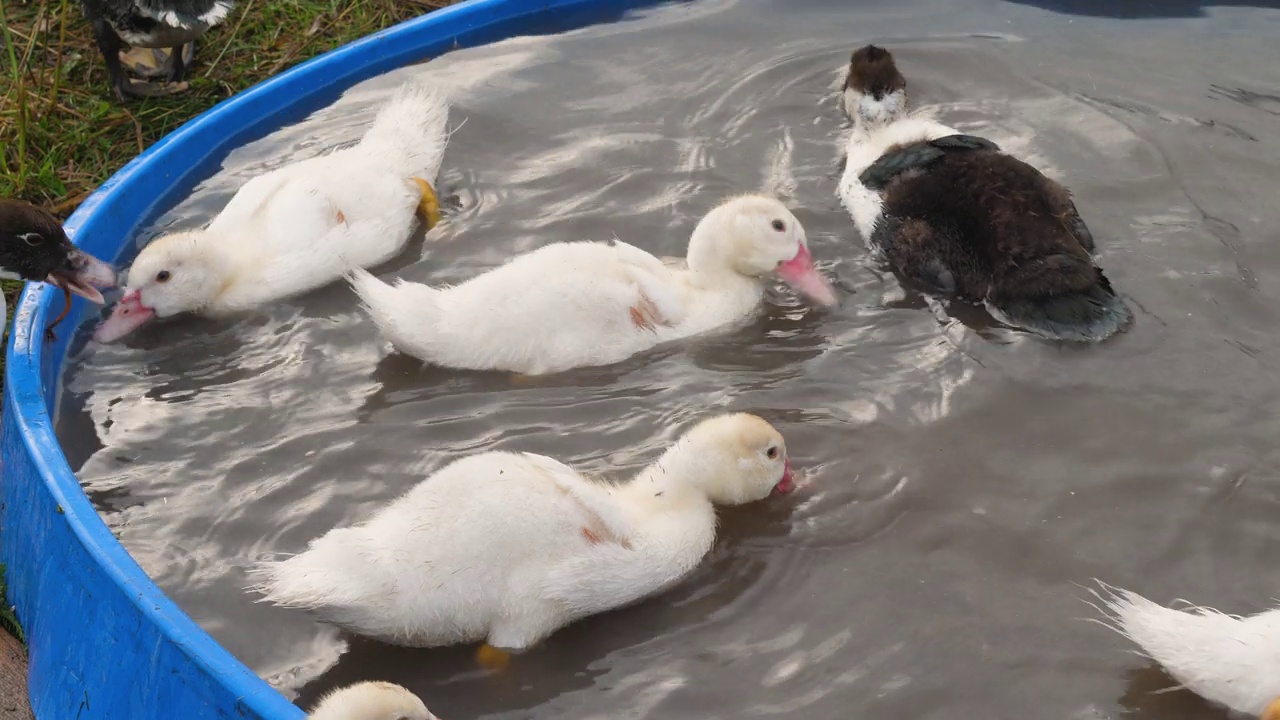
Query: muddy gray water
(963, 481)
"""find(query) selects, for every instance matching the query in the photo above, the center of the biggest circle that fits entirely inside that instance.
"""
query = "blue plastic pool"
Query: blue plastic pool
(105, 642)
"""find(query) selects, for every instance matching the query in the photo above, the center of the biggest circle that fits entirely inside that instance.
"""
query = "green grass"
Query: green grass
(62, 131)
(9, 620)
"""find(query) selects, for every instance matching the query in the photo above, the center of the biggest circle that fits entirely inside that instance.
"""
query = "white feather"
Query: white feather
(1230, 660)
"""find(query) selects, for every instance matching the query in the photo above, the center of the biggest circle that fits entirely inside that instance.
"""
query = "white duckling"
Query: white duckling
(299, 227)
(371, 701)
(1227, 659)
(577, 304)
(509, 547)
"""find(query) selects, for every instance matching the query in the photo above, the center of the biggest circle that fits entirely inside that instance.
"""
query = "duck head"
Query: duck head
(371, 701)
(34, 247)
(875, 93)
(755, 236)
(733, 459)
(174, 274)
(1272, 711)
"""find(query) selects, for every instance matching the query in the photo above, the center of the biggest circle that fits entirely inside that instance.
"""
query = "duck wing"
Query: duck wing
(280, 213)
(918, 156)
(291, 232)
(1059, 199)
(659, 302)
(608, 575)
(605, 521)
(615, 568)
(188, 14)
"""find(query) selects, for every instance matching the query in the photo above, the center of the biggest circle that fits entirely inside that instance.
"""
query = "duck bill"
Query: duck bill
(786, 484)
(128, 315)
(800, 274)
(83, 275)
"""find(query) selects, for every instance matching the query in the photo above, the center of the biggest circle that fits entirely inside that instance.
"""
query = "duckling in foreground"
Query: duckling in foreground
(169, 24)
(299, 227)
(509, 547)
(955, 214)
(34, 247)
(579, 304)
(1227, 659)
(371, 701)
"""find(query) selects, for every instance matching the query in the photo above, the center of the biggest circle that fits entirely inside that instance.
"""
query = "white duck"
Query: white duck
(299, 227)
(1227, 659)
(576, 304)
(509, 547)
(371, 701)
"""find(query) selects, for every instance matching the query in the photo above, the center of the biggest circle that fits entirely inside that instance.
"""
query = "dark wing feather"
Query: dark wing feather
(964, 142)
(894, 163)
(918, 156)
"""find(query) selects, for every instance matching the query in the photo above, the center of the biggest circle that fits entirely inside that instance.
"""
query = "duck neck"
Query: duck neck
(708, 266)
(671, 481)
(223, 268)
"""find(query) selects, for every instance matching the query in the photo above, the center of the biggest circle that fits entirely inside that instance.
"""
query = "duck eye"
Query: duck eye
(32, 239)
(162, 276)
(772, 453)
(779, 225)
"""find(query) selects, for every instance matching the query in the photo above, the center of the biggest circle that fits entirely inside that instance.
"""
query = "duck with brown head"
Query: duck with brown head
(954, 214)
(874, 90)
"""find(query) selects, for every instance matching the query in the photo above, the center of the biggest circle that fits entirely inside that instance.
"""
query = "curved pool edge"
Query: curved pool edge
(103, 640)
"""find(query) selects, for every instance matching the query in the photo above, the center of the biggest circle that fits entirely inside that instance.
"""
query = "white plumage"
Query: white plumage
(299, 227)
(865, 145)
(1230, 660)
(575, 304)
(508, 547)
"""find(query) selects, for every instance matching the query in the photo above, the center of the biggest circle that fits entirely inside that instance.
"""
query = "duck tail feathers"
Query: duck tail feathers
(1089, 315)
(411, 131)
(399, 310)
(1212, 654)
(333, 572)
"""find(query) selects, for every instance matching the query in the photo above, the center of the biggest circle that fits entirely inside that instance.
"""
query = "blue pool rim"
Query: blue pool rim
(103, 640)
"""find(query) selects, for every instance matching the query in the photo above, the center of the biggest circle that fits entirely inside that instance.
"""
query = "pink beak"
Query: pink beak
(128, 314)
(799, 273)
(786, 484)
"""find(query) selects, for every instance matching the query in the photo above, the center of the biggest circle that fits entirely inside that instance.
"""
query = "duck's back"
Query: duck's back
(963, 218)
(302, 226)
(990, 215)
(444, 562)
(562, 306)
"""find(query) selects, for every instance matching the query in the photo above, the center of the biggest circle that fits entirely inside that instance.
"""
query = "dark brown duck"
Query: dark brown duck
(956, 215)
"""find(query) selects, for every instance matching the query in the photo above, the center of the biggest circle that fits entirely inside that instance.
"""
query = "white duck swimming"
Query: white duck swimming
(577, 304)
(509, 547)
(1230, 660)
(371, 701)
(299, 227)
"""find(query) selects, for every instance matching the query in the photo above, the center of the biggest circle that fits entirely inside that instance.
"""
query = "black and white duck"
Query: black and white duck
(956, 215)
(34, 247)
(171, 24)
